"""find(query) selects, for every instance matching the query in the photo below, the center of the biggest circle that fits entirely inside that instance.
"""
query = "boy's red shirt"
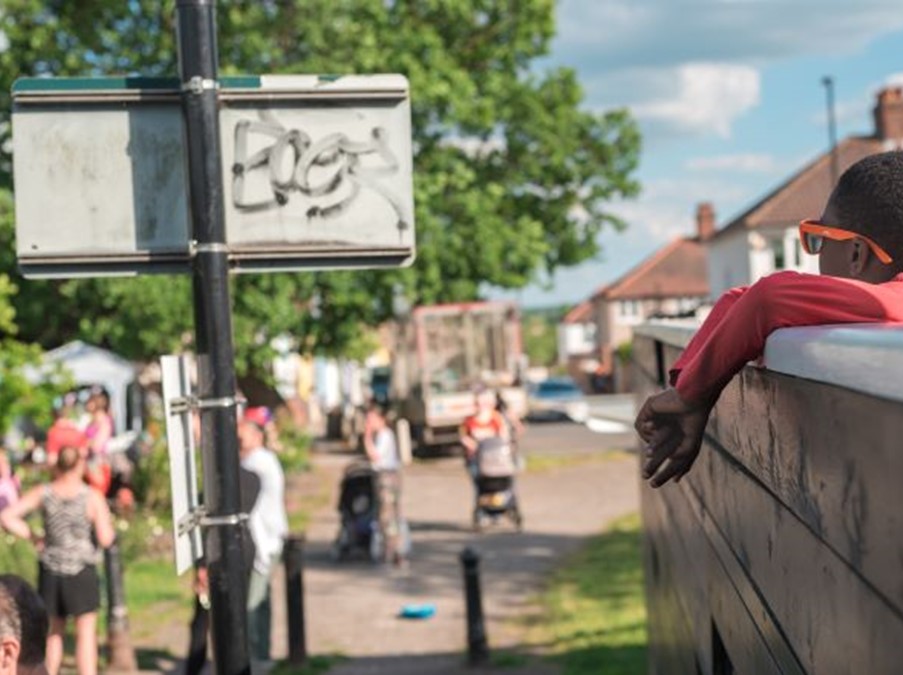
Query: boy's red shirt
(735, 331)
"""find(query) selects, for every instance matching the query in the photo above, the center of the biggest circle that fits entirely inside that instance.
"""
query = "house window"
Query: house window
(777, 250)
(797, 253)
(629, 309)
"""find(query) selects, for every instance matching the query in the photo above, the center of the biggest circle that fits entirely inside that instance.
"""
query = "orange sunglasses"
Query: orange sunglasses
(813, 235)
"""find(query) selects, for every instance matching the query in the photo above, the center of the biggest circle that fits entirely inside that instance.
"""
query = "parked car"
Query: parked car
(557, 398)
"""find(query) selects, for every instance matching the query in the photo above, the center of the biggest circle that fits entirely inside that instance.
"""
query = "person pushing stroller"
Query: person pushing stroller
(382, 451)
(490, 460)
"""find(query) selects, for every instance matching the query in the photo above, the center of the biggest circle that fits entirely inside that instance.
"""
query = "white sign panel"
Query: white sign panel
(182, 461)
(317, 173)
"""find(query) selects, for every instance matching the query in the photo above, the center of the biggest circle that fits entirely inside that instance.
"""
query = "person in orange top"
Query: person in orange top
(486, 422)
(859, 241)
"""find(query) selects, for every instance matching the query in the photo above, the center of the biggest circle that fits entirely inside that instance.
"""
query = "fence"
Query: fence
(782, 550)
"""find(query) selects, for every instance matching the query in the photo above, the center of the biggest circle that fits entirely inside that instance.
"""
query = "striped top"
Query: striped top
(68, 533)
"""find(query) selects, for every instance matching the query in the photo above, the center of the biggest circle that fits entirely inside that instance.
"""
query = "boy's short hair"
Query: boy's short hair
(23, 616)
(868, 199)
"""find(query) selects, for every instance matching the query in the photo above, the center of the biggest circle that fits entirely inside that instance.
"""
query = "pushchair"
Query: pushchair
(495, 492)
(359, 512)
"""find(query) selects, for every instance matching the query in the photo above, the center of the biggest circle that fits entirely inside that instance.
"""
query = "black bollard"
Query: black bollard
(293, 556)
(121, 654)
(477, 646)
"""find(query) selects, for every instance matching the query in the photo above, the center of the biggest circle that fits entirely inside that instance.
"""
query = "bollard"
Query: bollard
(477, 646)
(293, 557)
(121, 654)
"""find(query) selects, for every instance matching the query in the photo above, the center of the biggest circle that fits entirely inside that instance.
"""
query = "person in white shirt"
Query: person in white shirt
(268, 525)
(382, 451)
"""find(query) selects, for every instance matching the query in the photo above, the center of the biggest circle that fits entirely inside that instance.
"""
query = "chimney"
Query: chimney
(705, 221)
(889, 114)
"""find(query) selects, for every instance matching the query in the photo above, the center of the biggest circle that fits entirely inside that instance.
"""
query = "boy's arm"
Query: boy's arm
(672, 422)
(713, 320)
(779, 301)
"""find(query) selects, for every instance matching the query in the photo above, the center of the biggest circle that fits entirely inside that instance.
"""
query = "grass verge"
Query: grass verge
(541, 463)
(594, 613)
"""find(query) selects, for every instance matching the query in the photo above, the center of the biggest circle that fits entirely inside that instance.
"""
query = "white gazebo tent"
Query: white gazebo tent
(89, 365)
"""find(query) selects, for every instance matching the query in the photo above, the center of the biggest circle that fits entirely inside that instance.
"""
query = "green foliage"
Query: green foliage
(624, 352)
(20, 395)
(151, 481)
(540, 340)
(19, 557)
(595, 608)
(512, 174)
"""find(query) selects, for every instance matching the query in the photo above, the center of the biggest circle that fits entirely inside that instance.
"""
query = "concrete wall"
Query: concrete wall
(780, 551)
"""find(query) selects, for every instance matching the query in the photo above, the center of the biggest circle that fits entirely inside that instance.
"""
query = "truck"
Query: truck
(441, 353)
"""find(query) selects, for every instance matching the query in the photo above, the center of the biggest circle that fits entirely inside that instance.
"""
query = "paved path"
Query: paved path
(352, 608)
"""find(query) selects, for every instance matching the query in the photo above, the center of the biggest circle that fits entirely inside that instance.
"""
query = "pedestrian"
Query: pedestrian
(249, 490)
(382, 451)
(74, 515)
(99, 432)
(9, 482)
(23, 628)
(485, 423)
(268, 524)
(859, 241)
(514, 424)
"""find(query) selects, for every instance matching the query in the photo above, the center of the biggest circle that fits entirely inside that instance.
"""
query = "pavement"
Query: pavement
(352, 608)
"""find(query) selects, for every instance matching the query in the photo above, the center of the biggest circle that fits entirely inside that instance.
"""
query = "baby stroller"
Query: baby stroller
(359, 511)
(495, 494)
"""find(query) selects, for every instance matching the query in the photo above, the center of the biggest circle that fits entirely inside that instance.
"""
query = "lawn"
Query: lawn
(594, 613)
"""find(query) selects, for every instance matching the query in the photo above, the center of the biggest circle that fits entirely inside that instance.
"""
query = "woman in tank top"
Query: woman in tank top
(74, 516)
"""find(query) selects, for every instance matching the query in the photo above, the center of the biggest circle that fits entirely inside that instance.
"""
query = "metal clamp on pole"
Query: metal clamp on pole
(221, 521)
(198, 84)
(188, 403)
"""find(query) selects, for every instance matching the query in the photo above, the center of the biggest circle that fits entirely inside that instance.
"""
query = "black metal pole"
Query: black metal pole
(477, 644)
(121, 655)
(196, 28)
(293, 555)
(828, 82)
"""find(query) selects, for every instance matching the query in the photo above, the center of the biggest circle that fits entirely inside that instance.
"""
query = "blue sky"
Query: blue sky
(729, 98)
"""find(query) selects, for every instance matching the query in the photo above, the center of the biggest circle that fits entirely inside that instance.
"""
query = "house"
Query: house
(576, 341)
(763, 239)
(671, 282)
(576, 334)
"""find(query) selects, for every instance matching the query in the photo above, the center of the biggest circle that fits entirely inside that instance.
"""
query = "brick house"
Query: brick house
(670, 282)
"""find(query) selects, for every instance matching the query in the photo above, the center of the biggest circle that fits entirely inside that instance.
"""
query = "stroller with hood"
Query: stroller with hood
(495, 493)
(359, 511)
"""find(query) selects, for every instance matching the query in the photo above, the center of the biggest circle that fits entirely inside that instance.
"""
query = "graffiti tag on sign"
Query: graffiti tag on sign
(331, 171)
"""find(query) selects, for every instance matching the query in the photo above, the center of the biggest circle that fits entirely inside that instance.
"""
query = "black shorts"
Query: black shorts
(66, 595)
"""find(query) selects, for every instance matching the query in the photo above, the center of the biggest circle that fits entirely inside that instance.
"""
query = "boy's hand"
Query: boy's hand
(672, 430)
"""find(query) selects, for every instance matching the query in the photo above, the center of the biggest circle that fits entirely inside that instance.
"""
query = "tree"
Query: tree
(512, 176)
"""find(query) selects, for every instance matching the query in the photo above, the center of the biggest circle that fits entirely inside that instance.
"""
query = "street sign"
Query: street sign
(318, 174)
(186, 510)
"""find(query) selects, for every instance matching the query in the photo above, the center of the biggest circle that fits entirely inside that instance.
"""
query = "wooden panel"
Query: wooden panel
(832, 456)
(834, 621)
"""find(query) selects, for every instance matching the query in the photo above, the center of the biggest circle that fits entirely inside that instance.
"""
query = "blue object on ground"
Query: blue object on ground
(418, 611)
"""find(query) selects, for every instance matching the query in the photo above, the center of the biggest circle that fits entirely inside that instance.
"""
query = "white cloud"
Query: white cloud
(693, 65)
(708, 99)
(656, 32)
(746, 162)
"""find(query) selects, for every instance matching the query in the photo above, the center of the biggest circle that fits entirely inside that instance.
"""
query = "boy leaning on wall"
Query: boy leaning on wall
(859, 241)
